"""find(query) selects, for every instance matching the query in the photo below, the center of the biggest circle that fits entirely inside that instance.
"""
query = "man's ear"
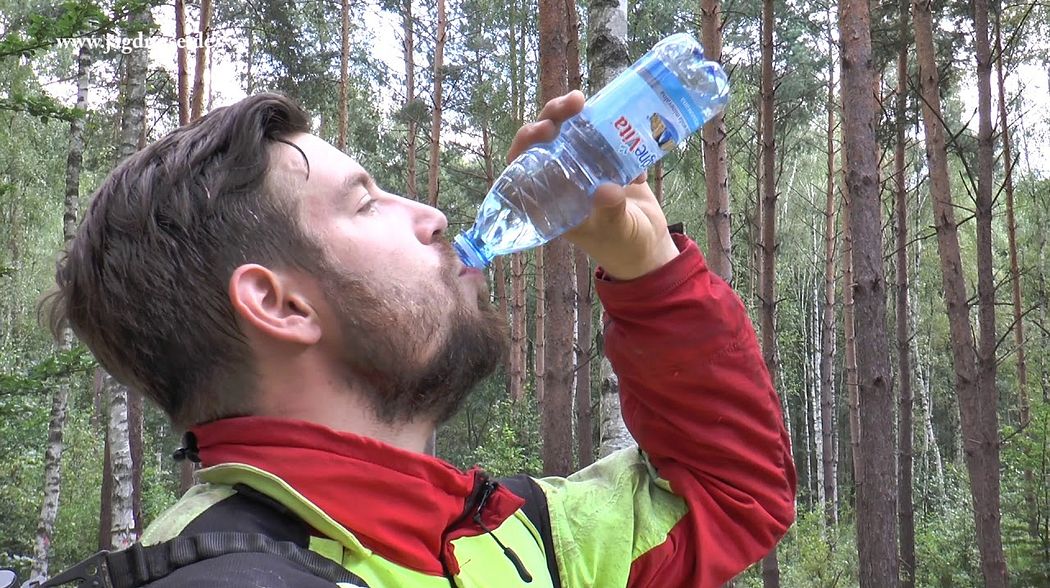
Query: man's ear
(271, 303)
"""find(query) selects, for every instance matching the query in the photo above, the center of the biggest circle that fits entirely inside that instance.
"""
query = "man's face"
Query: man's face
(407, 324)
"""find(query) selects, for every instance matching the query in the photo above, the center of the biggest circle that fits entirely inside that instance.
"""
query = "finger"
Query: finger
(641, 179)
(538, 132)
(562, 108)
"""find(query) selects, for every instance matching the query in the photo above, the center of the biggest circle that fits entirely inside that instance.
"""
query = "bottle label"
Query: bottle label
(644, 113)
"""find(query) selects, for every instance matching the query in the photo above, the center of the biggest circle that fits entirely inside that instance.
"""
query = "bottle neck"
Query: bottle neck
(470, 250)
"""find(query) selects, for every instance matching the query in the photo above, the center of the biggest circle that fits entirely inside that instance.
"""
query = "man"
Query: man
(310, 331)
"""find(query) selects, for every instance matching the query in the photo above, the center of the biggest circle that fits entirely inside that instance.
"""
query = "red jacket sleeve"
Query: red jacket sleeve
(697, 397)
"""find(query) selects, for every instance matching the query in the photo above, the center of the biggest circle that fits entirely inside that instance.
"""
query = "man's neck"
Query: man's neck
(306, 393)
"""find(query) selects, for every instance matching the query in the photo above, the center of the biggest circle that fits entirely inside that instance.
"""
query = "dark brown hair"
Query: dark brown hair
(144, 281)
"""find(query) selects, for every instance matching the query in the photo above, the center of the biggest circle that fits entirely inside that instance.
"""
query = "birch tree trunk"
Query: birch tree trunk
(876, 496)
(60, 395)
(122, 530)
(607, 57)
(1023, 406)
(980, 450)
(435, 120)
(559, 285)
(132, 127)
(582, 269)
(767, 290)
(827, 322)
(197, 99)
(905, 506)
(716, 162)
(410, 97)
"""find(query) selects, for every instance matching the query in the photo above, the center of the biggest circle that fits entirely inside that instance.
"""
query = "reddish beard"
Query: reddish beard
(415, 361)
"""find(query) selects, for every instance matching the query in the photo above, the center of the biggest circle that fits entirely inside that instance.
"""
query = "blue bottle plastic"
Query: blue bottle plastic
(629, 125)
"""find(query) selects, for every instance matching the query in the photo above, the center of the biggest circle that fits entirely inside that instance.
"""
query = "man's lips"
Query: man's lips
(467, 270)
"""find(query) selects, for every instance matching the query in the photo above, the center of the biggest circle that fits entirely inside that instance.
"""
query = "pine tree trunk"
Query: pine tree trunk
(1023, 405)
(182, 59)
(539, 346)
(197, 100)
(850, 332)
(716, 161)
(558, 298)
(980, 445)
(518, 339)
(905, 506)
(877, 494)
(60, 394)
(984, 480)
(435, 120)
(410, 96)
(827, 322)
(607, 57)
(344, 72)
(582, 269)
(767, 290)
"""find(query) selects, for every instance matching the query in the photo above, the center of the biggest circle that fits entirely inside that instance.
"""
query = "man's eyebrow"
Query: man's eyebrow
(356, 179)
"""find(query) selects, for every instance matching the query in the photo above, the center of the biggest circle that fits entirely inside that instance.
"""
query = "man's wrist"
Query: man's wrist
(657, 257)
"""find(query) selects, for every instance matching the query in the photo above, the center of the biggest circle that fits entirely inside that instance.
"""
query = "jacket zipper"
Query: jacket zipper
(480, 495)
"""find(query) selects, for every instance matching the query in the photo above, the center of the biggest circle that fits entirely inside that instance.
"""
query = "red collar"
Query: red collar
(405, 506)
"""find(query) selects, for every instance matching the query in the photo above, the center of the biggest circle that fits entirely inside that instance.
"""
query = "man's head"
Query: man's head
(241, 243)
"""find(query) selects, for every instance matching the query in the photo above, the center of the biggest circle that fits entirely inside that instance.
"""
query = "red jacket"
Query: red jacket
(711, 490)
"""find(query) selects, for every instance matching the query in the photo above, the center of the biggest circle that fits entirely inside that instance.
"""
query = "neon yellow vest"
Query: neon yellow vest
(481, 561)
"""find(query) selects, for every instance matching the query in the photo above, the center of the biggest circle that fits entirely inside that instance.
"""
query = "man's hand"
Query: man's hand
(626, 233)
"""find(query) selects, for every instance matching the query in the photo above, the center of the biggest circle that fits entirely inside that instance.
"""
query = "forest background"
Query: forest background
(882, 170)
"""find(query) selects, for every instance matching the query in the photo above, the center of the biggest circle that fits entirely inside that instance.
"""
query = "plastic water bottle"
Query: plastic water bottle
(629, 125)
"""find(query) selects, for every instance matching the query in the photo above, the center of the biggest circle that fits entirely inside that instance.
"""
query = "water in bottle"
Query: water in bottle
(626, 127)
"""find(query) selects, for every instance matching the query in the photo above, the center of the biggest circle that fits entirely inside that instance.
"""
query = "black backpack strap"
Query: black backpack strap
(138, 565)
(535, 510)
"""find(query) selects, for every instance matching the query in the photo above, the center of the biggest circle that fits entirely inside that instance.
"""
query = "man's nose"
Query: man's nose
(428, 222)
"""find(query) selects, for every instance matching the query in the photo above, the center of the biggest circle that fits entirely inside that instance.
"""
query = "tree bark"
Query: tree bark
(905, 410)
(767, 290)
(980, 444)
(582, 269)
(344, 72)
(197, 105)
(827, 322)
(557, 259)
(122, 531)
(985, 480)
(435, 119)
(136, 441)
(60, 394)
(906, 509)
(105, 519)
(182, 58)
(850, 336)
(607, 56)
(518, 340)
(410, 97)
(1023, 405)
(877, 493)
(716, 161)
(133, 122)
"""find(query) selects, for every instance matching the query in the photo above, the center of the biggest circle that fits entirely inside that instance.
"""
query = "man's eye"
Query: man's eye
(368, 206)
